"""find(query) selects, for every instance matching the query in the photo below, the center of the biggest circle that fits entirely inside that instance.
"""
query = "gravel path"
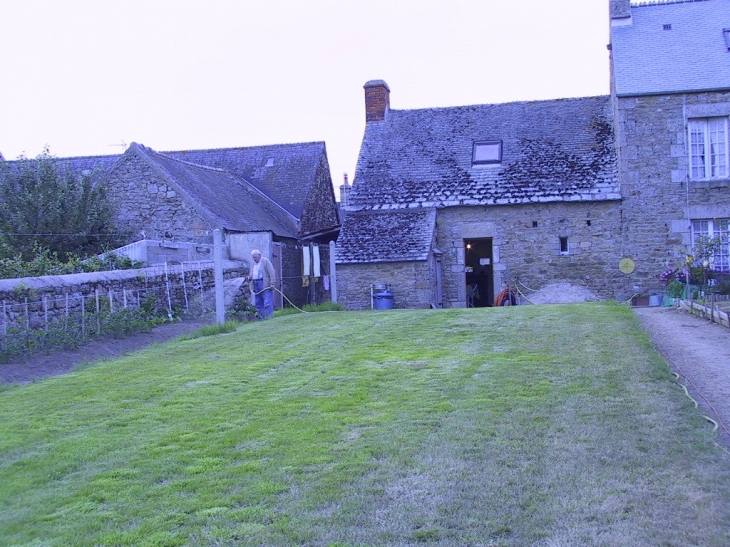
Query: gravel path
(699, 351)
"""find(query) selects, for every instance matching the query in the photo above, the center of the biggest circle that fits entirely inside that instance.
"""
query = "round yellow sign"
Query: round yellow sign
(626, 265)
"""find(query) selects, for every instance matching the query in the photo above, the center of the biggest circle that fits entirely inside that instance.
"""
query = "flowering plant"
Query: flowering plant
(670, 275)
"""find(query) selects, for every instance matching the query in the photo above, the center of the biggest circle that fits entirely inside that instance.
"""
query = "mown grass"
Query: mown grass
(541, 425)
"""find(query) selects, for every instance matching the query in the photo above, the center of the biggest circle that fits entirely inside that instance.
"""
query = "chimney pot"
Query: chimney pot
(377, 100)
(345, 192)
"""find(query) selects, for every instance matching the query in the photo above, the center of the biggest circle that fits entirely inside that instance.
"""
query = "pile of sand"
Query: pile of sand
(560, 293)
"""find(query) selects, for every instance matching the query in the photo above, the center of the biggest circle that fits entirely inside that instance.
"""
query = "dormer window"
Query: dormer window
(487, 152)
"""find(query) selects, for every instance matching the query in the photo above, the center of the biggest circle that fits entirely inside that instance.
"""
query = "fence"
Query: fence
(715, 308)
(63, 310)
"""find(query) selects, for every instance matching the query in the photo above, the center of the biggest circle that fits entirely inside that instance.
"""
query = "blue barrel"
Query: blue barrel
(383, 300)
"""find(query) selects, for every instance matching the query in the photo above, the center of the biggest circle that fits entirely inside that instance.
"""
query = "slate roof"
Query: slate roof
(559, 150)
(87, 164)
(222, 197)
(284, 172)
(371, 236)
(691, 56)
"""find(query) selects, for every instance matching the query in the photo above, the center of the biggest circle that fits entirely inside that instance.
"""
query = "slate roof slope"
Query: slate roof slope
(691, 56)
(222, 197)
(559, 150)
(284, 172)
(371, 236)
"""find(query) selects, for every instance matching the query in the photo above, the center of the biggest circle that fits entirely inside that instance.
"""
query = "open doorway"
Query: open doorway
(479, 266)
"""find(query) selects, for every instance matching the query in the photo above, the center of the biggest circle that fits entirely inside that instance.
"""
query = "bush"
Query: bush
(675, 289)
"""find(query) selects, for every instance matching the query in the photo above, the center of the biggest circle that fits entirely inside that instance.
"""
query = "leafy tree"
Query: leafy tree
(44, 205)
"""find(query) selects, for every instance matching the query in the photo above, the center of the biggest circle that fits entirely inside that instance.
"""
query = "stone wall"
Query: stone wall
(526, 246)
(660, 200)
(320, 209)
(34, 302)
(411, 283)
(149, 207)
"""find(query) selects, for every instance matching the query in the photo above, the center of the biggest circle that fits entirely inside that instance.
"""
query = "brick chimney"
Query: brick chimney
(345, 192)
(377, 100)
(620, 11)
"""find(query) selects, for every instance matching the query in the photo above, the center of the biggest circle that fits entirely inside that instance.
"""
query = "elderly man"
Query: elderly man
(262, 278)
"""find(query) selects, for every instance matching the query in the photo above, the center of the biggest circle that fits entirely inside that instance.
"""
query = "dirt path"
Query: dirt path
(61, 361)
(699, 351)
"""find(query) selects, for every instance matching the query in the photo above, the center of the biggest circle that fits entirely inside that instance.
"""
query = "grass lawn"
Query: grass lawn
(550, 426)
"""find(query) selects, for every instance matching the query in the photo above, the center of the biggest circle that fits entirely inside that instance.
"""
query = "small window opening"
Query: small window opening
(486, 152)
(726, 32)
(667, 27)
(588, 222)
(534, 224)
(563, 245)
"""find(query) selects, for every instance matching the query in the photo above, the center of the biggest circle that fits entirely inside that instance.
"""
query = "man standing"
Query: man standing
(263, 278)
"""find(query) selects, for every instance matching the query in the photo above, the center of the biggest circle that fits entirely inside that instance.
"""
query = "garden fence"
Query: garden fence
(45, 314)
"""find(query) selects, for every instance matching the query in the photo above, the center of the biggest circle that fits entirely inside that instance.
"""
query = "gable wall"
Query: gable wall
(659, 199)
(146, 202)
(320, 208)
(532, 254)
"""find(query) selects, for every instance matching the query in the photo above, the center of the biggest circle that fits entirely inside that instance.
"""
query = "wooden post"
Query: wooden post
(333, 273)
(220, 306)
(98, 311)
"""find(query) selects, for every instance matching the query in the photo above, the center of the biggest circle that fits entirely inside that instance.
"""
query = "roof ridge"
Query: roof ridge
(192, 164)
(643, 3)
(280, 145)
(607, 96)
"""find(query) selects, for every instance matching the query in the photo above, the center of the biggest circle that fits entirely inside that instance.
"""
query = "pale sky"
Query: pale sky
(87, 76)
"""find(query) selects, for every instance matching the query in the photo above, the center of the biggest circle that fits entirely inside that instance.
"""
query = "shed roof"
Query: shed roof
(400, 236)
(672, 47)
(558, 150)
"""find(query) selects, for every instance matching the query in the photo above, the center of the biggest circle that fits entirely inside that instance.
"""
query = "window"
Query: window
(563, 245)
(708, 148)
(726, 33)
(486, 152)
(718, 230)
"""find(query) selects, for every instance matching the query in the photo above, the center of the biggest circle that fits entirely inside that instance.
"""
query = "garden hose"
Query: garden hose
(282, 294)
(717, 424)
(522, 294)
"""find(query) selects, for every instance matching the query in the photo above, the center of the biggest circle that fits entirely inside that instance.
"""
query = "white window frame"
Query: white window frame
(715, 228)
(708, 148)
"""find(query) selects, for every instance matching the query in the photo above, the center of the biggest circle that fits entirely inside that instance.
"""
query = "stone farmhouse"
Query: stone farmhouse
(450, 204)
(276, 198)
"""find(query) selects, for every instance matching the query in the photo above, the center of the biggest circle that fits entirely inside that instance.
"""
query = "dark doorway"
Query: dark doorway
(479, 272)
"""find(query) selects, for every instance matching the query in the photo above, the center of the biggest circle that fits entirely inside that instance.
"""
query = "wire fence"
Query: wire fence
(33, 319)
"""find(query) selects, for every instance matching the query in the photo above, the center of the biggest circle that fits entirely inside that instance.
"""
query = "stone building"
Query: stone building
(450, 204)
(276, 198)
(670, 90)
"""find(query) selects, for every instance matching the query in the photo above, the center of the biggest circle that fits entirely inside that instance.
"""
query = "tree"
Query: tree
(45, 205)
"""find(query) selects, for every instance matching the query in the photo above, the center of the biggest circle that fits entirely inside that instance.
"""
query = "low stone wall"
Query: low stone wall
(409, 281)
(36, 302)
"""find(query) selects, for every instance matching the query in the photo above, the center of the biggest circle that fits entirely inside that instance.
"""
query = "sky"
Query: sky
(89, 77)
